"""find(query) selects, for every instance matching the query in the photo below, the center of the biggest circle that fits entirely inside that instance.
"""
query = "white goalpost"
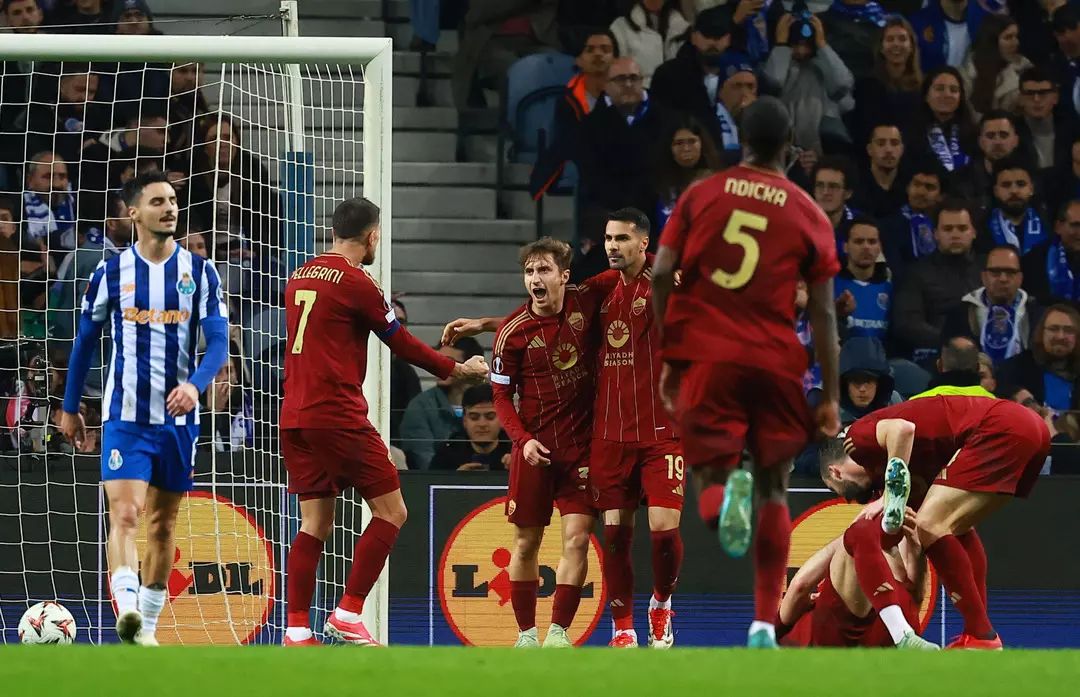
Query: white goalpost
(285, 129)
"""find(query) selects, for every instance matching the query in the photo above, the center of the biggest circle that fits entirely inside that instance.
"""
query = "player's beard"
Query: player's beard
(850, 491)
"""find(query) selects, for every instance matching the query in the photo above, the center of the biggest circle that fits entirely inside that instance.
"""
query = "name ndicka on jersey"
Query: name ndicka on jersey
(755, 190)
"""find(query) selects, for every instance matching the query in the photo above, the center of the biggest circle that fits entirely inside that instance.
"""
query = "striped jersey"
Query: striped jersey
(550, 364)
(153, 312)
(628, 407)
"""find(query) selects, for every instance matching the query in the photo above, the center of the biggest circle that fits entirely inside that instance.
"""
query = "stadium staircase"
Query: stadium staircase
(451, 254)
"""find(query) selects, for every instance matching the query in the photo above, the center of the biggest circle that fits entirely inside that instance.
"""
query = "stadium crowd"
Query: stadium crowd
(942, 138)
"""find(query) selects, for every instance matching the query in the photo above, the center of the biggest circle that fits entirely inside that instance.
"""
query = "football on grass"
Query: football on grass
(47, 623)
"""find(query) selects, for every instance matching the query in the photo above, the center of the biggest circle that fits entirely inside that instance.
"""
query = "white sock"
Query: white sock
(662, 604)
(298, 633)
(346, 616)
(758, 625)
(151, 603)
(124, 584)
(631, 632)
(895, 622)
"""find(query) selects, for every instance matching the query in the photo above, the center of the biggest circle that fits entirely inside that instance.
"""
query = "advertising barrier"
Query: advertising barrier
(448, 573)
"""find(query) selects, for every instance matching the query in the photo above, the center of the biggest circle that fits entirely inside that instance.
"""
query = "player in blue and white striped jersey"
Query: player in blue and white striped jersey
(156, 297)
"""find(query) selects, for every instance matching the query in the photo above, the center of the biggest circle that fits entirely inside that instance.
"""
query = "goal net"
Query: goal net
(262, 138)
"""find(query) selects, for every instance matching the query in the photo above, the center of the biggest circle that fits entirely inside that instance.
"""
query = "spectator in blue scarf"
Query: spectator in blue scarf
(1052, 268)
(945, 29)
(1014, 220)
(833, 180)
(944, 128)
(909, 234)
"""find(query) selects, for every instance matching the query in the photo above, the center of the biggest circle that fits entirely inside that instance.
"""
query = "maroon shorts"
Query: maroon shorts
(830, 623)
(728, 407)
(1003, 455)
(622, 474)
(324, 462)
(535, 491)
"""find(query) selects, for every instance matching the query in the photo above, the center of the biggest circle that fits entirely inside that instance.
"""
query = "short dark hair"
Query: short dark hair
(9, 3)
(1065, 18)
(831, 452)
(477, 394)
(1038, 73)
(560, 252)
(115, 207)
(955, 205)
(960, 353)
(836, 163)
(10, 202)
(469, 346)
(590, 32)
(931, 166)
(133, 188)
(354, 217)
(1013, 161)
(997, 115)
(1063, 209)
(865, 221)
(884, 124)
(766, 127)
(639, 220)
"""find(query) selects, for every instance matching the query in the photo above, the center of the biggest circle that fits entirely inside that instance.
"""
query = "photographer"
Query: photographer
(812, 80)
(26, 412)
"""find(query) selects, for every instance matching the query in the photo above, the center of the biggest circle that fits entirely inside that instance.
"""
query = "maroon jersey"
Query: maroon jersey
(628, 407)
(942, 426)
(744, 237)
(550, 364)
(330, 309)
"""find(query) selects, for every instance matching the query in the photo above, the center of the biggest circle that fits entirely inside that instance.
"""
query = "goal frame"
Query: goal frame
(375, 55)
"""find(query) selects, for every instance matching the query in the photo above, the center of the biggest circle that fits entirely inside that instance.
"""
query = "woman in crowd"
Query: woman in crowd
(651, 32)
(893, 93)
(686, 154)
(944, 128)
(991, 73)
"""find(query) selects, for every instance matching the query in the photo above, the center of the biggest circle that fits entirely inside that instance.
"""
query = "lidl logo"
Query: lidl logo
(474, 580)
(221, 587)
(827, 521)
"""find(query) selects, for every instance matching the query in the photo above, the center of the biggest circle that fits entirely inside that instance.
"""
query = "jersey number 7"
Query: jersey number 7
(734, 234)
(307, 299)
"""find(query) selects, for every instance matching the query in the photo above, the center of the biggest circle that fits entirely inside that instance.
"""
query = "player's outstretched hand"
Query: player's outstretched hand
(827, 418)
(459, 329)
(73, 427)
(872, 510)
(182, 399)
(534, 452)
(476, 368)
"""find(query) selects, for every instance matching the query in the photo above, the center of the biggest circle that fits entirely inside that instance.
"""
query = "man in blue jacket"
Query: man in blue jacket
(945, 29)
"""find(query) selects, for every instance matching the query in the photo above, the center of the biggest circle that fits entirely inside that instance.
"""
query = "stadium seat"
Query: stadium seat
(534, 84)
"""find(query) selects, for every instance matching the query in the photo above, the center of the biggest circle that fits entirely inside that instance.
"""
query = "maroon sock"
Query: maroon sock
(952, 564)
(770, 559)
(303, 563)
(667, 553)
(709, 502)
(977, 556)
(619, 574)
(523, 599)
(565, 604)
(863, 541)
(369, 557)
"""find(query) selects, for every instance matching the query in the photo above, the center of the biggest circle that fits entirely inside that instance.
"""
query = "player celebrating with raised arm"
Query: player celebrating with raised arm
(733, 364)
(332, 305)
(635, 451)
(970, 455)
(157, 296)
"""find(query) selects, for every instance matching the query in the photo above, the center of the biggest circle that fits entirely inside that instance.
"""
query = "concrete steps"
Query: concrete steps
(425, 230)
(455, 258)
(420, 283)
(439, 309)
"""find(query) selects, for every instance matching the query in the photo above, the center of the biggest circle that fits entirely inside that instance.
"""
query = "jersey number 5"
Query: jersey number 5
(735, 233)
(306, 299)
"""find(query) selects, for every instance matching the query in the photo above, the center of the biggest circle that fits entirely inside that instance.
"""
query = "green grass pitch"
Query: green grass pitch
(307, 672)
